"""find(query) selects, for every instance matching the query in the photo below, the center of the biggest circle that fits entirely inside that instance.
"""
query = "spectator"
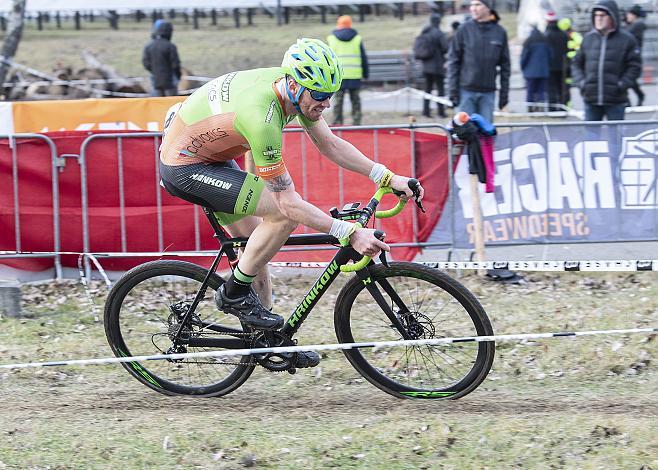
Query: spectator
(636, 27)
(477, 51)
(573, 44)
(607, 64)
(557, 40)
(434, 61)
(160, 57)
(575, 38)
(348, 46)
(536, 66)
(454, 26)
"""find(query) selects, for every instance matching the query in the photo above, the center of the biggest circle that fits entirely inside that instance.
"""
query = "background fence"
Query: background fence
(555, 183)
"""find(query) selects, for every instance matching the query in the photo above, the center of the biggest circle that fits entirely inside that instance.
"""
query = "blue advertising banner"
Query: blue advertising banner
(558, 184)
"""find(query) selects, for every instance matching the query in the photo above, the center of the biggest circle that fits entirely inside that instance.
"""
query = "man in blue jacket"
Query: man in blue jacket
(536, 66)
(607, 64)
(478, 50)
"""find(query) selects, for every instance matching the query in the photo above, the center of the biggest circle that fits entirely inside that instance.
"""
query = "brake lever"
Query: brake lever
(420, 205)
(414, 185)
(382, 255)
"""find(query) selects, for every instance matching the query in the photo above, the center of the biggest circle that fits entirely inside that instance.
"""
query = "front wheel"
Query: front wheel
(143, 312)
(422, 303)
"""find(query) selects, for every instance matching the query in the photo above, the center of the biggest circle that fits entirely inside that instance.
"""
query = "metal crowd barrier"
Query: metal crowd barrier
(12, 138)
(85, 159)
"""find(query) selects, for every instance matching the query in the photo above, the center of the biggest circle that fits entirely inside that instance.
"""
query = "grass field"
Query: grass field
(209, 51)
(589, 402)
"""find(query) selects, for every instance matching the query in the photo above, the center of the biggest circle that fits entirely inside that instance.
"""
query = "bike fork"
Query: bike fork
(364, 275)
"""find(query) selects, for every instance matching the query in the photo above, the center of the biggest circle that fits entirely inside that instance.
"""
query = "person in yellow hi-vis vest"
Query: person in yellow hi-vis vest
(348, 46)
(573, 44)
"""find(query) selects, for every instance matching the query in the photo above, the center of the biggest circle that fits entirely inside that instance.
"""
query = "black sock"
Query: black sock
(238, 284)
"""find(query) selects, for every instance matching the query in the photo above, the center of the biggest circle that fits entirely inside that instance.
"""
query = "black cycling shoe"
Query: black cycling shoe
(249, 310)
(307, 359)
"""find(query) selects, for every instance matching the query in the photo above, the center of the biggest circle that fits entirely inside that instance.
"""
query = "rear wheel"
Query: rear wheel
(427, 304)
(142, 314)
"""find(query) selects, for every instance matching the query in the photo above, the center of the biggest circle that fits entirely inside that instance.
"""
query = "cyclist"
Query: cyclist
(247, 111)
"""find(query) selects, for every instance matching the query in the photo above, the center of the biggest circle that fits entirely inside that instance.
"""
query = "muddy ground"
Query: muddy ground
(562, 403)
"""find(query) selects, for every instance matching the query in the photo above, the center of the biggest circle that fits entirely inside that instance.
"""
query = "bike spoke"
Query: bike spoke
(146, 321)
(426, 311)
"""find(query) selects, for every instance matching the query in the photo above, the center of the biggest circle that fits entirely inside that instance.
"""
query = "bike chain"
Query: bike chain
(251, 363)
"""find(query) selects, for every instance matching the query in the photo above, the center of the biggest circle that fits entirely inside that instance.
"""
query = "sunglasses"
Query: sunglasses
(320, 95)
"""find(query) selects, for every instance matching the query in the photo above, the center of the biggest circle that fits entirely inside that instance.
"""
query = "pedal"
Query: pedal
(292, 371)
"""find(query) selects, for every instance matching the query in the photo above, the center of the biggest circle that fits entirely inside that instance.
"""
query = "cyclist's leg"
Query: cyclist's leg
(232, 194)
(262, 284)
(268, 237)
(265, 241)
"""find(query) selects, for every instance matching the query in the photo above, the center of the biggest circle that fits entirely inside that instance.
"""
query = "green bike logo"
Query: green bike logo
(427, 394)
(313, 293)
(140, 370)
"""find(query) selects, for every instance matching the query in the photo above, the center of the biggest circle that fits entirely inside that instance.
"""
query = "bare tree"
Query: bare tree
(13, 38)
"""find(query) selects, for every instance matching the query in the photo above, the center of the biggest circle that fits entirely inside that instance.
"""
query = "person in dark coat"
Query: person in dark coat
(477, 53)
(160, 57)
(434, 66)
(607, 64)
(557, 40)
(536, 66)
(636, 27)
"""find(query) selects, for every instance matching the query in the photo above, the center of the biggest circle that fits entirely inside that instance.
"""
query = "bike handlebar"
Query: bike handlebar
(381, 192)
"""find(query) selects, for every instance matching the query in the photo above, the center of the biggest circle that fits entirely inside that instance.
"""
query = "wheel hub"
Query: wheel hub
(419, 326)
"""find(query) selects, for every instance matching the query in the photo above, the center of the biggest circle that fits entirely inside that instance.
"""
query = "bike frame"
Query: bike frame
(344, 254)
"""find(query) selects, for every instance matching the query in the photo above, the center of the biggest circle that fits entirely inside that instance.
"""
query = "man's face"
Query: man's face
(479, 11)
(311, 108)
(602, 21)
(630, 17)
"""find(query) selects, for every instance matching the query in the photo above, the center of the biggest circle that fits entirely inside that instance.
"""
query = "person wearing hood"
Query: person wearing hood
(636, 27)
(477, 52)
(434, 62)
(346, 42)
(536, 66)
(557, 40)
(160, 58)
(607, 64)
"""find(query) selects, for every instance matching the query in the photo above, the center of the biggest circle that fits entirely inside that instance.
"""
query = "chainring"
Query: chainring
(275, 362)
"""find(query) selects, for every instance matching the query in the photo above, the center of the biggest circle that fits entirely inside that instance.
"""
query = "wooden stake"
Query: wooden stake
(478, 233)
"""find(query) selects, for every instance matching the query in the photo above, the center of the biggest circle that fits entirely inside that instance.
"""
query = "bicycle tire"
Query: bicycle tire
(358, 318)
(131, 309)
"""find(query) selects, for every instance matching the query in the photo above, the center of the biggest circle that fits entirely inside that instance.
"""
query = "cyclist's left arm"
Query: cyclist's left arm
(346, 155)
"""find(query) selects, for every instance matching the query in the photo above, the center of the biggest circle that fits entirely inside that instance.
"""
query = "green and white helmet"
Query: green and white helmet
(313, 65)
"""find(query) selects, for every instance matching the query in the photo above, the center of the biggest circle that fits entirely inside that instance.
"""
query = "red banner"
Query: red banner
(133, 225)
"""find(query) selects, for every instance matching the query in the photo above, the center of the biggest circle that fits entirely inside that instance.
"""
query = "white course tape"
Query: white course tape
(327, 347)
(576, 265)
(584, 266)
(587, 265)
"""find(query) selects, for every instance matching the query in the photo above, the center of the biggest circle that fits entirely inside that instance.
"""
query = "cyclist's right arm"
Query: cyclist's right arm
(265, 140)
(292, 206)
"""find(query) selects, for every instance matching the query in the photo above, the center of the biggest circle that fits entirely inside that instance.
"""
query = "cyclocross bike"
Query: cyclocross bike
(167, 307)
